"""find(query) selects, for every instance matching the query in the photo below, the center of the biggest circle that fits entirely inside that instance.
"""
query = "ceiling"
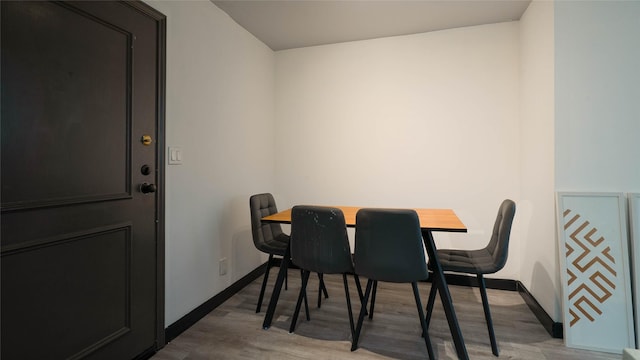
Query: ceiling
(299, 23)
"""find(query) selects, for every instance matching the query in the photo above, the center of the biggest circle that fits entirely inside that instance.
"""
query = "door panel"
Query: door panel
(80, 261)
(70, 300)
(78, 57)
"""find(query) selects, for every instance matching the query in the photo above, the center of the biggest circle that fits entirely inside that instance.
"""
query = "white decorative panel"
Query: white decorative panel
(596, 281)
(634, 219)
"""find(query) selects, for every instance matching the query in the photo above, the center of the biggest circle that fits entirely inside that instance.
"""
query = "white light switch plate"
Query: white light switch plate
(175, 155)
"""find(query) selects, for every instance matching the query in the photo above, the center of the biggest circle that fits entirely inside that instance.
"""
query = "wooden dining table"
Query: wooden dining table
(430, 220)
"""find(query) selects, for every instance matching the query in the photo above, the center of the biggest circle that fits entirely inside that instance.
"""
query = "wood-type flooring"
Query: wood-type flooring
(234, 330)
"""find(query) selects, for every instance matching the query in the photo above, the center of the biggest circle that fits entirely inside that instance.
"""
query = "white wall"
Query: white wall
(220, 111)
(427, 120)
(458, 118)
(539, 268)
(597, 95)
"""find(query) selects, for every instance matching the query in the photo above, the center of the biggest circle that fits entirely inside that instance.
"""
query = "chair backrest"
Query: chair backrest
(262, 205)
(389, 245)
(319, 241)
(498, 246)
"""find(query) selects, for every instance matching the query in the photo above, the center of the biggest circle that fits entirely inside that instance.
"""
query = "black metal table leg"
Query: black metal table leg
(445, 296)
(284, 266)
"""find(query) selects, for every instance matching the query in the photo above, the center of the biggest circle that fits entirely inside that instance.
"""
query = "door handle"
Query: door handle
(148, 188)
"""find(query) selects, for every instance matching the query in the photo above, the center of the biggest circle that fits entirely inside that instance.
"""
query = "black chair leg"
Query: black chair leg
(321, 289)
(363, 312)
(432, 300)
(324, 288)
(264, 283)
(487, 314)
(306, 304)
(373, 298)
(303, 290)
(423, 322)
(346, 291)
(360, 294)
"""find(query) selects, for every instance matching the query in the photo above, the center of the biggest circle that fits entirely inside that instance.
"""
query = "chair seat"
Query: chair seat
(467, 261)
(276, 246)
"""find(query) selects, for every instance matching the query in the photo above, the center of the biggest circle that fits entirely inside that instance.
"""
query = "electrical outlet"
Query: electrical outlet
(223, 265)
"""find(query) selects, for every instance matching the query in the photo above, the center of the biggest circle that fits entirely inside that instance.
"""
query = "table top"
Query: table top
(430, 219)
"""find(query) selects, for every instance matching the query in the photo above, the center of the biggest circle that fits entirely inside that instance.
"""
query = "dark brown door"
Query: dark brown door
(81, 257)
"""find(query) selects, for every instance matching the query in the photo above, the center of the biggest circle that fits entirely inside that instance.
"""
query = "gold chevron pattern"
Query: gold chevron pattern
(591, 280)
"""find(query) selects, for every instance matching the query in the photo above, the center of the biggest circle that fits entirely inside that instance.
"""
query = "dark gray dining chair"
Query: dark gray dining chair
(319, 243)
(267, 237)
(487, 260)
(270, 239)
(389, 248)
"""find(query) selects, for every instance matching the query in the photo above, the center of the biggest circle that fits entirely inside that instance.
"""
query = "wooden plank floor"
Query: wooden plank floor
(234, 330)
